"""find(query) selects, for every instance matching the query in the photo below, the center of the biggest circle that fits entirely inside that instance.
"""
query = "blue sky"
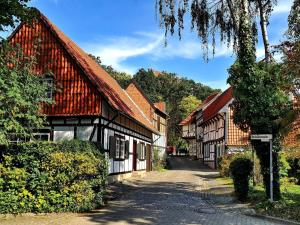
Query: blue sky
(126, 35)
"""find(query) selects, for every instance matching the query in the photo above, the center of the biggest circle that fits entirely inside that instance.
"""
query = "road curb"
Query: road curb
(272, 219)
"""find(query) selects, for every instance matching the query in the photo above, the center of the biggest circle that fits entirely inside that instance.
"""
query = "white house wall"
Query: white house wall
(64, 131)
(126, 165)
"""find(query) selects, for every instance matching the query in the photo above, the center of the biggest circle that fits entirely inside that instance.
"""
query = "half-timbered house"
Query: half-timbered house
(89, 103)
(191, 130)
(214, 131)
(218, 133)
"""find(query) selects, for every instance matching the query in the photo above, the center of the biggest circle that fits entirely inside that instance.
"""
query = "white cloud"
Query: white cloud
(115, 51)
(219, 84)
(283, 6)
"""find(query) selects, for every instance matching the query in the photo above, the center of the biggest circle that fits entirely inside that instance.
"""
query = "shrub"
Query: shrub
(293, 158)
(240, 170)
(159, 159)
(225, 160)
(52, 177)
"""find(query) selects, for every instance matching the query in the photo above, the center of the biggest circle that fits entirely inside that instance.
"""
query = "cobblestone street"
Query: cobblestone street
(171, 197)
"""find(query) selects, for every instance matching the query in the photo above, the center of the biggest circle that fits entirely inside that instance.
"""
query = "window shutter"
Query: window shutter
(126, 149)
(112, 146)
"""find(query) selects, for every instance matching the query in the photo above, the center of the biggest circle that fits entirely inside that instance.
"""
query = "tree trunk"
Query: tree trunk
(263, 26)
(263, 153)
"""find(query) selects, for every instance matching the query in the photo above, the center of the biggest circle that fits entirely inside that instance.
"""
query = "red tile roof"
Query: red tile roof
(213, 109)
(104, 83)
(192, 115)
(161, 106)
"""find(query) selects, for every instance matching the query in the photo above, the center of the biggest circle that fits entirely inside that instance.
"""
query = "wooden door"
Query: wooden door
(134, 156)
(148, 158)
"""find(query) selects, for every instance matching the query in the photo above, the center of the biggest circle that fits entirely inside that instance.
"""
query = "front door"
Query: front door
(148, 158)
(134, 156)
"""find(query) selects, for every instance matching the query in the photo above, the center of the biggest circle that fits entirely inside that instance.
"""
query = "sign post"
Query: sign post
(267, 138)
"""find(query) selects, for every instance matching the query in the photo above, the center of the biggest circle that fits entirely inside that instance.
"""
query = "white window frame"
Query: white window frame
(120, 148)
(143, 151)
(40, 134)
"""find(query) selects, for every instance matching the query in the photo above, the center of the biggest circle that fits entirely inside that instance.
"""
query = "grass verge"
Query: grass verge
(288, 207)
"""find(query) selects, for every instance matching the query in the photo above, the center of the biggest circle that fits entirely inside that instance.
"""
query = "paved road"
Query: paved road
(171, 197)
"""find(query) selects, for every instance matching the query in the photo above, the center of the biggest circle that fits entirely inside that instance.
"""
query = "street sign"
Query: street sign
(262, 137)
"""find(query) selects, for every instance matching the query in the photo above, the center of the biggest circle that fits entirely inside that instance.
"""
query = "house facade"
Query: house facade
(188, 127)
(215, 131)
(89, 104)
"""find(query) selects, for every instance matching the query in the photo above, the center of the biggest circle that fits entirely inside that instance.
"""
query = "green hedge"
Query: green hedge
(240, 170)
(52, 177)
(225, 161)
(293, 158)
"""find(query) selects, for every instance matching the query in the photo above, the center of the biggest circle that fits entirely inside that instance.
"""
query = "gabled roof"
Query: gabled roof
(213, 109)
(192, 115)
(103, 82)
(153, 105)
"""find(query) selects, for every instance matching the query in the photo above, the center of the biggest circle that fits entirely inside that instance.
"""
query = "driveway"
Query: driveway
(171, 197)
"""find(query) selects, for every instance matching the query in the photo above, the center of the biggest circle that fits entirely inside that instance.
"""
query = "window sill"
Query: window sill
(115, 159)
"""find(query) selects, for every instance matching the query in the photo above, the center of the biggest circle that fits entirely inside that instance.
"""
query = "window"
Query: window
(141, 151)
(41, 137)
(119, 148)
(49, 84)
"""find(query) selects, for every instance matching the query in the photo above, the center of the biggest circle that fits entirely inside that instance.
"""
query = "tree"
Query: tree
(188, 104)
(21, 94)
(14, 11)
(215, 18)
(122, 78)
(260, 101)
(291, 68)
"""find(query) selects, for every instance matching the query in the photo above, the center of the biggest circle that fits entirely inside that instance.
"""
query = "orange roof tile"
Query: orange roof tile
(161, 106)
(104, 83)
(213, 109)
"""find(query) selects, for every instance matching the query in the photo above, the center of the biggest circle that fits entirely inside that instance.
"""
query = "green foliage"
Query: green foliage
(240, 170)
(288, 207)
(52, 177)
(159, 159)
(260, 100)
(14, 11)
(225, 161)
(122, 78)
(21, 93)
(294, 21)
(293, 158)
(188, 104)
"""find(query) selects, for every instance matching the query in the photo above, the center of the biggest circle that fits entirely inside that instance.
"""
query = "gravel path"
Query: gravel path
(171, 197)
